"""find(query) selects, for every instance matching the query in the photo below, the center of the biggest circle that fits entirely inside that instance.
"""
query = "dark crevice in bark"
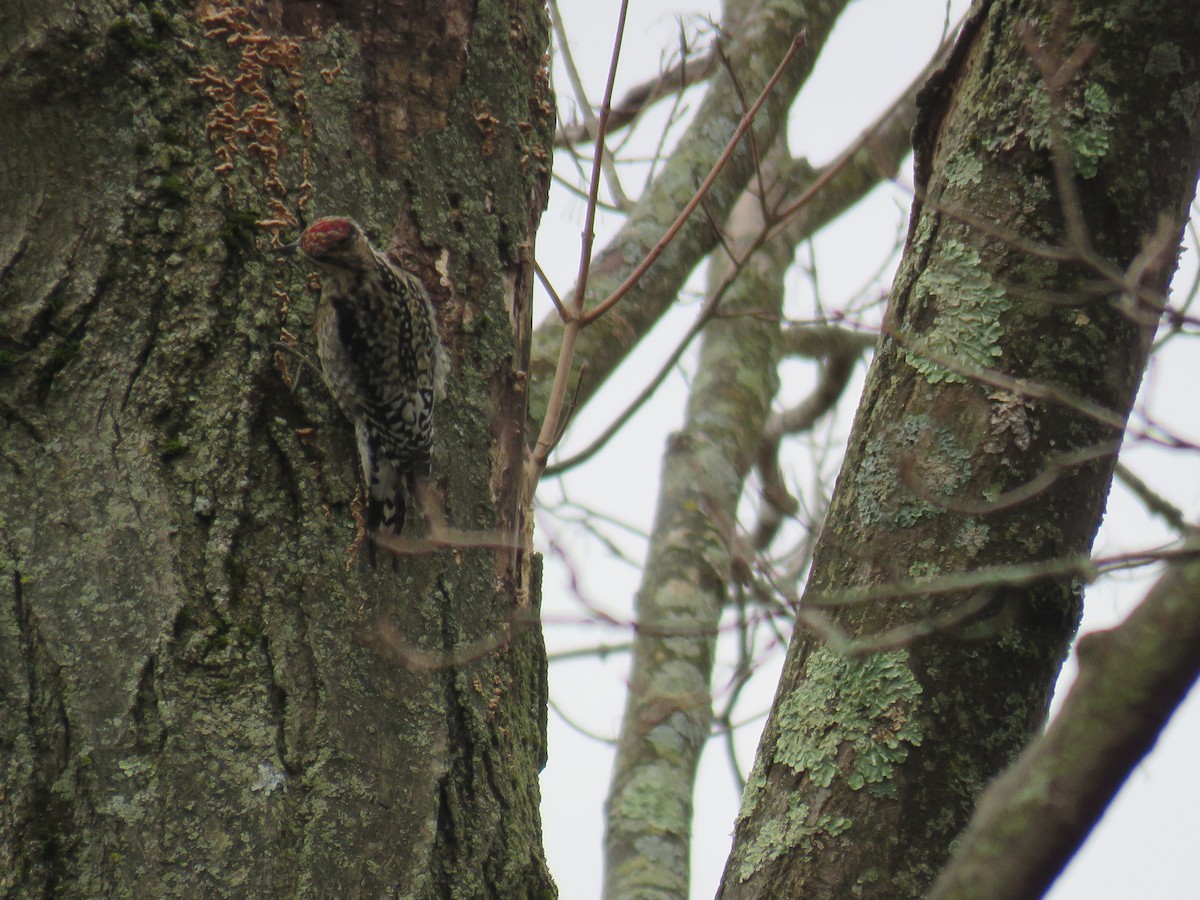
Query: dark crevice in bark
(277, 697)
(149, 734)
(47, 827)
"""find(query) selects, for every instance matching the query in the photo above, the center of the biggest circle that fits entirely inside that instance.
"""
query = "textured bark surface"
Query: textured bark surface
(870, 765)
(200, 694)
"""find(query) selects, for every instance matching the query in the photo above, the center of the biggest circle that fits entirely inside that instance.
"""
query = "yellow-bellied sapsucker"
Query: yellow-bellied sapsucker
(381, 356)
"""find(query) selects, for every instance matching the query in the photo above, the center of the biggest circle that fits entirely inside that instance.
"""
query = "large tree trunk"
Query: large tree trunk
(1056, 158)
(200, 694)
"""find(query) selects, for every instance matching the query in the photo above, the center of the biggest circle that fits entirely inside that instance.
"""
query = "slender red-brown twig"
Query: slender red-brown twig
(657, 250)
(577, 318)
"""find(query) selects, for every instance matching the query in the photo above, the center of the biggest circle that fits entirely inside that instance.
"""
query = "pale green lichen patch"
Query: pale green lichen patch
(673, 739)
(1084, 125)
(966, 332)
(655, 797)
(1088, 129)
(973, 536)
(936, 464)
(924, 571)
(870, 876)
(849, 719)
(963, 170)
(859, 704)
(877, 481)
(945, 467)
(755, 785)
(799, 831)
(655, 868)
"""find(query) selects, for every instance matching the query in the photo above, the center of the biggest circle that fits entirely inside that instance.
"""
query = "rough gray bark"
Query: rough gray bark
(199, 693)
(985, 438)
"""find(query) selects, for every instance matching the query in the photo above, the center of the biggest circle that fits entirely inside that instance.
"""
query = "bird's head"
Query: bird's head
(335, 242)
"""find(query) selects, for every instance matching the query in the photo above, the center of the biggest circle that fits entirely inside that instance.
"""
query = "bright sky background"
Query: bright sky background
(1143, 846)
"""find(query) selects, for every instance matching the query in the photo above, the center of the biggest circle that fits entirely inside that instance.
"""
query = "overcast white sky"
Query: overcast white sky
(1143, 846)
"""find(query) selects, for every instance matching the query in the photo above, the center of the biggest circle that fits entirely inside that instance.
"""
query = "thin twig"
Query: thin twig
(779, 503)
(1055, 468)
(590, 120)
(1038, 391)
(657, 250)
(554, 298)
(600, 651)
(1155, 502)
(641, 97)
(896, 637)
(706, 313)
(580, 193)
(551, 423)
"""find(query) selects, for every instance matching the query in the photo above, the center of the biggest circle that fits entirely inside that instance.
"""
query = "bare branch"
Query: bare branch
(835, 375)
(1055, 468)
(591, 123)
(552, 424)
(657, 250)
(608, 341)
(1130, 681)
(691, 70)
(1153, 501)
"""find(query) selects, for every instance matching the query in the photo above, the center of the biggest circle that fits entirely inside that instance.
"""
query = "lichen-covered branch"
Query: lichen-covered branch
(1130, 681)
(870, 766)
(669, 707)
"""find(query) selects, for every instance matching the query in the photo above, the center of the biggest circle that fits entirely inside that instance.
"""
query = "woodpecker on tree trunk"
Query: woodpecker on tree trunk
(382, 358)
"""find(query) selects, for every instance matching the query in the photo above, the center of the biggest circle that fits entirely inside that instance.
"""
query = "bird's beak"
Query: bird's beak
(289, 250)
